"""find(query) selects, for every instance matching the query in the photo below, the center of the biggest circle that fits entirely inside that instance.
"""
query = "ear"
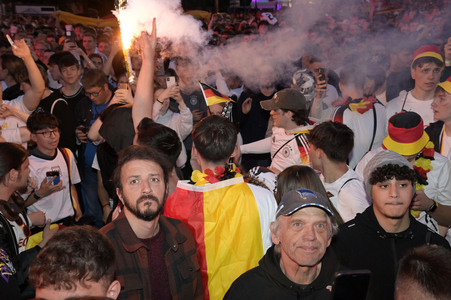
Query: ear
(236, 151)
(412, 73)
(113, 290)
(119, 195)
(13, 175)
(33, 137)
(274, 236)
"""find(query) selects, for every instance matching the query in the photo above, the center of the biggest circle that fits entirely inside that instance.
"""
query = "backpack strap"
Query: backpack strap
(66, 155)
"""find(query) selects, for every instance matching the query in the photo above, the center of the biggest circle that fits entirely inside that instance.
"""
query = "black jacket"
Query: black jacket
(434, 130)
(363, 244)
(268, 282)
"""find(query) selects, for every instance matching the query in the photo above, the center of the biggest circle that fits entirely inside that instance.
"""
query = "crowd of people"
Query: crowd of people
(138, 183)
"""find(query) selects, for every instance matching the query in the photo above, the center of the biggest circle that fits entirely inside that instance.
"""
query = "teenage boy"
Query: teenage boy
(379, 237)
(426, 68)
(71, 72)
(98, 97)
(58, 198)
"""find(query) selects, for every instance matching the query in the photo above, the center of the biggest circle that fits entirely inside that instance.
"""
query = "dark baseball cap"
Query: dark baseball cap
(293, 201)
(291, 99)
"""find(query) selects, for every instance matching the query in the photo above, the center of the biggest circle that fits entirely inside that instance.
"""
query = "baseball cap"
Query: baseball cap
(295, 200)
(287, 99)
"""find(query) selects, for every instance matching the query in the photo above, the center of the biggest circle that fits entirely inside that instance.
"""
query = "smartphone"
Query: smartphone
(170, 81)
(351, 285)
(51, 174)
(322, 75)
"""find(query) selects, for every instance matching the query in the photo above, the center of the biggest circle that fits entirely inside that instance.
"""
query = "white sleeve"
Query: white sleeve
(261, 146)
(352, 199)
(439, 187)
(185, 123)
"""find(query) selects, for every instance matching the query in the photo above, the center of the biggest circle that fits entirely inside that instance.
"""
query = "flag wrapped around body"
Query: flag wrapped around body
(212, 96)
(225, 222)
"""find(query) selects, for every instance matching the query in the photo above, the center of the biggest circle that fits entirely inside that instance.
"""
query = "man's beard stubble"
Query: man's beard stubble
(146, 214)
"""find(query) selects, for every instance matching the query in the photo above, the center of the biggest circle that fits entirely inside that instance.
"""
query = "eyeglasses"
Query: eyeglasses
(49, 133)
(93, 94)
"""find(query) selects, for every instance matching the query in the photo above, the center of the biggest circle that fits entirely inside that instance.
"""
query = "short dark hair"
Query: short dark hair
(300, 116)
(390, 171)
(430, 267)
(12, 156)
(94, 78)
(67, 59)
(41, 120)
(159, 137)
(426, 60)
(76, 254)
(54, 58)
(138, 152)
(334, 138)
(214, 138)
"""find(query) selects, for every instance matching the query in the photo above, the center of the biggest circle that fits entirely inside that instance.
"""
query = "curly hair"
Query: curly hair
(390, 171)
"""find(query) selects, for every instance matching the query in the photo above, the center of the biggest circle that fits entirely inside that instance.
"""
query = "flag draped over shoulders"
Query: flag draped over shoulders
(225, 222)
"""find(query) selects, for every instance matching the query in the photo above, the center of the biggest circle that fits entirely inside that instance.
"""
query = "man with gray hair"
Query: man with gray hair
(380, 236)
(298, 265)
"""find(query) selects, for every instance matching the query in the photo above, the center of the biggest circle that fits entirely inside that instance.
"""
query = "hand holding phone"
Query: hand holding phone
(51, 174)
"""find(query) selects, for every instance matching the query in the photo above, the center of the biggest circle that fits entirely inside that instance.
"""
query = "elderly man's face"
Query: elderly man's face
(303, 237)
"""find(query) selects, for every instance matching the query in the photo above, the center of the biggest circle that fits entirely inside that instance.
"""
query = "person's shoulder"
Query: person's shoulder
(426, 235)
(248, 285)
(175, 226)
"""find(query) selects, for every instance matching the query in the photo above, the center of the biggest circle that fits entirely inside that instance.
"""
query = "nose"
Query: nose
(393, 190)
(309, 232)
(146, 187)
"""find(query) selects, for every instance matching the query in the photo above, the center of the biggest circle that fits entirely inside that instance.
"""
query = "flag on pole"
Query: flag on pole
(212, 96)
(225, 222)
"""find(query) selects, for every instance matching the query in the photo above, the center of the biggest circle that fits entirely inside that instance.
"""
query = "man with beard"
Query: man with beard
(156, 257)
(380, 236)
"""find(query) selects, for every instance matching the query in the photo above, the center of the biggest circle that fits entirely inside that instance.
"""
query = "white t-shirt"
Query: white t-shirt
(58, 205)
(421, 107)
(10, 125)
(295, 152)
(363, 127)
(347, 194)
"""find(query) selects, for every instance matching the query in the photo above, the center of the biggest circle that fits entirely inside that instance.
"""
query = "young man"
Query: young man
(59, 198)
(14, 175)
(440, 131)
(364, 115)
(289, 143)
(12, 128)
(431, 204)
(229, 217)
(77, 262)
(330, 145)
(71, 72)
(299, 264)
(426, 68)
(379, 237)
(156, 256)
(98, 97)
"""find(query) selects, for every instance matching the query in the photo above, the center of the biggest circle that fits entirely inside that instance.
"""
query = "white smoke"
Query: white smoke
(137, 15)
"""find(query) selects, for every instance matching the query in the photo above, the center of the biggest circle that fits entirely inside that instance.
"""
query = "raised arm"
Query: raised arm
(143, 103)
(32, 96)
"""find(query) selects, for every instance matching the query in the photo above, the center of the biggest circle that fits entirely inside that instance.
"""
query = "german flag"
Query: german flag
(212, 96)
(225, 222)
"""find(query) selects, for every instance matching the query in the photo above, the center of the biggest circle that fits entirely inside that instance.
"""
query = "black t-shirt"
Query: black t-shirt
(58, 106)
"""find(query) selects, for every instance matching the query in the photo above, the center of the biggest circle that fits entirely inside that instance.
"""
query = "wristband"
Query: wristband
(36, 196)
(432, 208)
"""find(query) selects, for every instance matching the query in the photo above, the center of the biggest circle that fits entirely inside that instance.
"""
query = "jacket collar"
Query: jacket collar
(131, 243)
